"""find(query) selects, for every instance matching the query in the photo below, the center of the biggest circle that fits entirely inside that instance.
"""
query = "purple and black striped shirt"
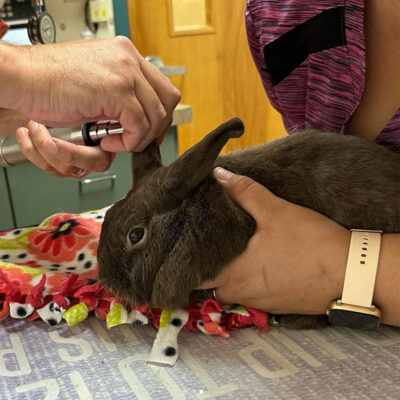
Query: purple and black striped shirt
(311, 58)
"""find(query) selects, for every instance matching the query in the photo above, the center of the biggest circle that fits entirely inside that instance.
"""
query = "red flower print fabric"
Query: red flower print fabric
(49, 272)
(63, 238)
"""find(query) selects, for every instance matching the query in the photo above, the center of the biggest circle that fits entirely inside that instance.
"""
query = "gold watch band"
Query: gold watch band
(361, 268)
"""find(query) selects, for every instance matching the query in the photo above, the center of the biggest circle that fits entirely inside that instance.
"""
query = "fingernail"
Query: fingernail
(50, 146)
(21, 133)
(222, 174)
(34, 126)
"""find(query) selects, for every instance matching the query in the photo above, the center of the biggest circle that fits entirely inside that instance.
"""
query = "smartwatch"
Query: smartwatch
(355, 308)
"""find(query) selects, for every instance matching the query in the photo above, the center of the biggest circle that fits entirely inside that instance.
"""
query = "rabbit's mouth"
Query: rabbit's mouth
(119, 291)
(110, 286)
(113, 284)
(127, 293)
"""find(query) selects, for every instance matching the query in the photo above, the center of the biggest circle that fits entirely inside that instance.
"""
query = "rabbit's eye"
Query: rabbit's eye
(135, 235)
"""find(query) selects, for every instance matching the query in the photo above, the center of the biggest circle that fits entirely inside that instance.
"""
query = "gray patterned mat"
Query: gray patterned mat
(90, 362)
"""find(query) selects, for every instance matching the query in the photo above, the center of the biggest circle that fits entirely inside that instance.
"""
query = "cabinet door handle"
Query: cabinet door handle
(110, 177)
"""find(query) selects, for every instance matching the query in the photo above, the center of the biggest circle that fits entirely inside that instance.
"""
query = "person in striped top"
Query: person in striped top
(313, 64)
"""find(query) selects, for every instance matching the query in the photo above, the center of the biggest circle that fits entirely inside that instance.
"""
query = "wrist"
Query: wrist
(15, 76)
(334, 261)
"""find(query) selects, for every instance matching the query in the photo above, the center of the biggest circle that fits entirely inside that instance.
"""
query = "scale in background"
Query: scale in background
(16, 14)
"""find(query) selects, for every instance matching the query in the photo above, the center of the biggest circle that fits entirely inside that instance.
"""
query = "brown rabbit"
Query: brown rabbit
(177, 228)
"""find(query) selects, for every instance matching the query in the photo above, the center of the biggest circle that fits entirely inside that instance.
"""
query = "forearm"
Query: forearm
(387, 286)
(14, 61)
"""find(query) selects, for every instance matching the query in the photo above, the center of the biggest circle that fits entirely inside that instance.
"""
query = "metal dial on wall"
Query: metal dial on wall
(42, 29)
(47, 28)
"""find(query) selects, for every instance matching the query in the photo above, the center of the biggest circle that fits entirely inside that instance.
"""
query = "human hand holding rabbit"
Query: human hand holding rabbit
(294, 263)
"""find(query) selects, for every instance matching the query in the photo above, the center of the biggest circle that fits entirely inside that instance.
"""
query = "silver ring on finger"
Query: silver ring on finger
(214, 294)
(80, 172)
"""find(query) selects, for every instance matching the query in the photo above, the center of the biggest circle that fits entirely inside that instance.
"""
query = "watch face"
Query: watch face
(353, 319)
(47, 29)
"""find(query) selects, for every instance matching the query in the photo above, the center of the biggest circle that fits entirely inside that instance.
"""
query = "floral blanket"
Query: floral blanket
(49, 273)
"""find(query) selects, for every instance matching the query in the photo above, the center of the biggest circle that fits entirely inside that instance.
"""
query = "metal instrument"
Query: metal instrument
(41, 27)
(89, 134)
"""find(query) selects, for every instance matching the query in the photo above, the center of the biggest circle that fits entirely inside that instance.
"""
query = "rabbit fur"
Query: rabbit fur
(192, 228)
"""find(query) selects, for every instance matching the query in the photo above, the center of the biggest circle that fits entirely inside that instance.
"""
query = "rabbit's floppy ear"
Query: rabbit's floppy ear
(174, 281)
(146, 161)
(185, 173)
